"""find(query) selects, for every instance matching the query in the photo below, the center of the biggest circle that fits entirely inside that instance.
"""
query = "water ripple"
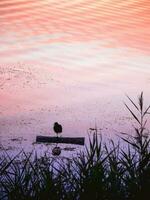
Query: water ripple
(34, 23)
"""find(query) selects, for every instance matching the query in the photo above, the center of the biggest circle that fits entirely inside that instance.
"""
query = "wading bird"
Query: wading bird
(57, 128)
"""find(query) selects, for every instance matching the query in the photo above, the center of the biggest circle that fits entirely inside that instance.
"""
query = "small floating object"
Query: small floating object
(56, 151)
(66, 140)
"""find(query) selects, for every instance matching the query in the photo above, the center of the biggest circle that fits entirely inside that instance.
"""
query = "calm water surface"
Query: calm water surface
(72, 62)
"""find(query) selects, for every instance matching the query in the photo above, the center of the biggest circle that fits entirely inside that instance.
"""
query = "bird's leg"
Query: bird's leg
(57, 140)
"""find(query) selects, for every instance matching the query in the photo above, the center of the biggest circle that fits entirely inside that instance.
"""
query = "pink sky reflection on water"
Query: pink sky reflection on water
(71, 62)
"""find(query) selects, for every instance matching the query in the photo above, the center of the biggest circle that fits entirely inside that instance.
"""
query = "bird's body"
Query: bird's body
(57, 128)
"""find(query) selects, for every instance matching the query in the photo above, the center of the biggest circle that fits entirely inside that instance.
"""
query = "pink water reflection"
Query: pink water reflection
(71, 62)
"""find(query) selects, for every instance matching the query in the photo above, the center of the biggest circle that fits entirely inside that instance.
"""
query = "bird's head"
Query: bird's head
(56, 123)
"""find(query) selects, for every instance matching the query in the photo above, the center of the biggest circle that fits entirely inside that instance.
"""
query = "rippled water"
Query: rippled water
(72, 62)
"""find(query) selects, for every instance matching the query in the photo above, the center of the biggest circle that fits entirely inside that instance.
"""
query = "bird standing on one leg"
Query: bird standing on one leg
(57, 128)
